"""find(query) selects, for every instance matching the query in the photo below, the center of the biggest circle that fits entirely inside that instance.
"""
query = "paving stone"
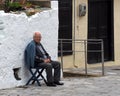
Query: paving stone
(77, 86)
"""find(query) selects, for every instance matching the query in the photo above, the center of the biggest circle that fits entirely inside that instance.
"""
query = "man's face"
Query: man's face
(37, 38)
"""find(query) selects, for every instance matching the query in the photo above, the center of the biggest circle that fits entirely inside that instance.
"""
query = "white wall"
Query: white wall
(54, 4)
(15, 33)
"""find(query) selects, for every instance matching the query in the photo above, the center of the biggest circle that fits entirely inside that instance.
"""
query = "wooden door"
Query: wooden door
(100, 26)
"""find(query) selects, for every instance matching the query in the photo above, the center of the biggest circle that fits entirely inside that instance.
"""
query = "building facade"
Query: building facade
(101, 21)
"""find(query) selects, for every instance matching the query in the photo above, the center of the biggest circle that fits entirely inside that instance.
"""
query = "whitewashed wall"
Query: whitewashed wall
(16, 32)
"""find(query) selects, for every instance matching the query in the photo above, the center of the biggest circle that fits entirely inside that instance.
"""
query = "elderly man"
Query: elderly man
(40, 58)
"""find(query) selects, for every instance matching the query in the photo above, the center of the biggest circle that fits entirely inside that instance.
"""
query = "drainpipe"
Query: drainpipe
(74, 36)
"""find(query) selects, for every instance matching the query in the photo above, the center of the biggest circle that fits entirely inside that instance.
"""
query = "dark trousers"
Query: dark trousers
(49, 66)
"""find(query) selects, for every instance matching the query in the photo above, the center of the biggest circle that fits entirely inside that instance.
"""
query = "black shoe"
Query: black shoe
(51, 84)
(59, 83)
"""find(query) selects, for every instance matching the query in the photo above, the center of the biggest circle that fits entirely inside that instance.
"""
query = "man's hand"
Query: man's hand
(47, 61)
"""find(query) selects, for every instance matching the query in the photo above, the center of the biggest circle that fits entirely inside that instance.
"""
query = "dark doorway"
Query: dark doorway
(100, 26)
(65, 24)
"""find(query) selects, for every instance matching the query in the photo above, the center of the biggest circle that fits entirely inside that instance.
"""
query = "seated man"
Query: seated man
(42, 59)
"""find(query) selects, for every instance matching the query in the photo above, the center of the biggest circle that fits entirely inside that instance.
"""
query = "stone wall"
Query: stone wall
(16, 32)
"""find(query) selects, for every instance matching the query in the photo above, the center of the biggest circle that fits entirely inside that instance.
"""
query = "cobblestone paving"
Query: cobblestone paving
(108, 85)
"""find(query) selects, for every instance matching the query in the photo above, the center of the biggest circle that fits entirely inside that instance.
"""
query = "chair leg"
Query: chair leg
(43, 76)
(33, 78)
(36, 77)
(44, 79)
(40, 74)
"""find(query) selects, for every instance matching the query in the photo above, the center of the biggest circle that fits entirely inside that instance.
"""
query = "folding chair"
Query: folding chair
(36, 75)
(36, 72)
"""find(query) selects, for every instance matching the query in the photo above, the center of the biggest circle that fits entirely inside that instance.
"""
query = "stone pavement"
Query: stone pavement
(108, 85)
